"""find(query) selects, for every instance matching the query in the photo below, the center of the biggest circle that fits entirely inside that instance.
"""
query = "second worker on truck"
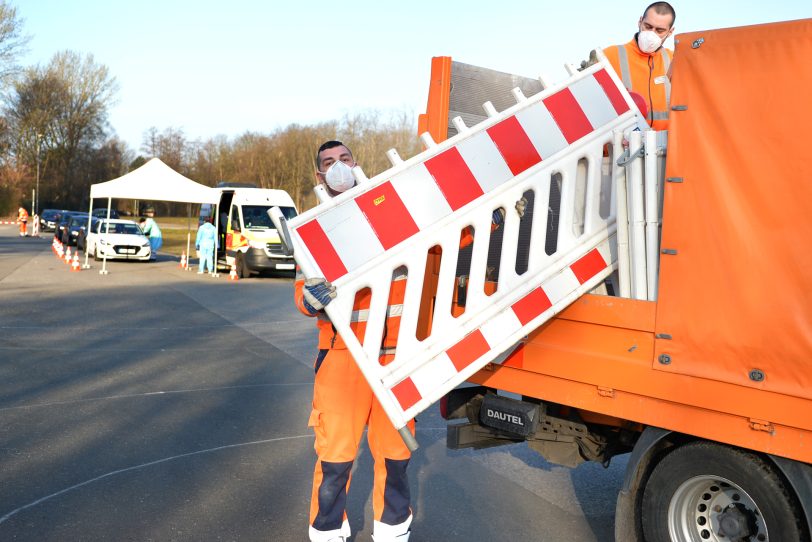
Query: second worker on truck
(643, 64)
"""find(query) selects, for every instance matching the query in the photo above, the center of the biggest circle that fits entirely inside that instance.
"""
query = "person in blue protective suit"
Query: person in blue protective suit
(205, 244)
(153, 232)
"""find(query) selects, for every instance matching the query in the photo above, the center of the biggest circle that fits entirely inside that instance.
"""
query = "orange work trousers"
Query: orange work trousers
(23, 228)
(343, 404)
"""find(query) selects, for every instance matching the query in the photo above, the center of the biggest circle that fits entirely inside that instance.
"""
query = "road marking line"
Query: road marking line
(149, 393)
(165, 460)
(143, 465)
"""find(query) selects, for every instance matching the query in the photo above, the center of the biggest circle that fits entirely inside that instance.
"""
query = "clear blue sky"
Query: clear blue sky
(226, 67)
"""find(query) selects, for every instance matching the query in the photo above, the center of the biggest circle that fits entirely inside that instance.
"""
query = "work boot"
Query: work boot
(341, 534)
(383, 532)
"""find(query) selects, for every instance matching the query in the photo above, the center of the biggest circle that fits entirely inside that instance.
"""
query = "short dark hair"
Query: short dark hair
(328, 145)
(663, 8)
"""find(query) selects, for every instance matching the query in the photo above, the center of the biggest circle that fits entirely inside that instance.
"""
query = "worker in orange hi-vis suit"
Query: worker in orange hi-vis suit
(343, 403)
(644, 65)
(22, 218)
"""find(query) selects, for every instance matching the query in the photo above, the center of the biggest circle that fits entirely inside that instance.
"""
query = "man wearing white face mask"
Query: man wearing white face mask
(334, 168)
(643, 64)
(343, 403)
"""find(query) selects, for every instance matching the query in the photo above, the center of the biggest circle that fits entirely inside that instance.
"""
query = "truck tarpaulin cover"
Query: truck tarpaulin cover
(737, 296)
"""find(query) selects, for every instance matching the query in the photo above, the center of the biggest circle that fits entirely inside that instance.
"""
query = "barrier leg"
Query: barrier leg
(408, 438)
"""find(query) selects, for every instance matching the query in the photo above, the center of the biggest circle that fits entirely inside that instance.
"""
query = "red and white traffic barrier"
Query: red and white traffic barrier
(358, 239)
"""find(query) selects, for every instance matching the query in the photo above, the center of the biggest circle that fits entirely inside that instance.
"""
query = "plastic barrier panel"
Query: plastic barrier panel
(418, 211)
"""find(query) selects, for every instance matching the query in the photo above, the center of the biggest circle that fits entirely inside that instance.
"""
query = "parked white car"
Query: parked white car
(125, 241)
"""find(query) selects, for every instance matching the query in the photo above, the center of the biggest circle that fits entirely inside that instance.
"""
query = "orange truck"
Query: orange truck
(708, 387)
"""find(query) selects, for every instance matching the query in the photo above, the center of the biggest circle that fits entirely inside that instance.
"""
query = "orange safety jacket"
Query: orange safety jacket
(330, 339)
(645, 74)
(22, 216)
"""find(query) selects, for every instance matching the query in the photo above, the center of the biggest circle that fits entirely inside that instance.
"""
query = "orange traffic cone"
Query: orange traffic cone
(233, 274)
(74, 266)
(183, 260)
(67, 256)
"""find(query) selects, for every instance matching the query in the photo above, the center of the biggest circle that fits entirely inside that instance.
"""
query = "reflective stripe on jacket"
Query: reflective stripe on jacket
(645, 74)
(329, 338)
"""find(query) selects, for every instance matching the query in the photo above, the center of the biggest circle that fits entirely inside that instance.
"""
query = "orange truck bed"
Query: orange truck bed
(725, 353)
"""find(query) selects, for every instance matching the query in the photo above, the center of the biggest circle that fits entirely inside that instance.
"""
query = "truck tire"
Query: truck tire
(705, 491)
(242, 269)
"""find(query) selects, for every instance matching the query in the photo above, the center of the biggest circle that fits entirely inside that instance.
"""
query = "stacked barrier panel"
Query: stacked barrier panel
(360, 238)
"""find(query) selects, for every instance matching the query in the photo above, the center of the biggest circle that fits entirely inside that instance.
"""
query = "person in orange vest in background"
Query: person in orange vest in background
(343, 402)
(22, 218)
(644, 65)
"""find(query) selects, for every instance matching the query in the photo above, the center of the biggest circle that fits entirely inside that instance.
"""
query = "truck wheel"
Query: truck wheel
(242, 269)
(706, 491)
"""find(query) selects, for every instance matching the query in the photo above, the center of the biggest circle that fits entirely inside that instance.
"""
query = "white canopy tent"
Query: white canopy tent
(153, 181)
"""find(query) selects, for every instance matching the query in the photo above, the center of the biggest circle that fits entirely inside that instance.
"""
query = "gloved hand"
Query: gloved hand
(197, 248)
(317, 294)
(521, 206)
(593, 59)
(498, 217)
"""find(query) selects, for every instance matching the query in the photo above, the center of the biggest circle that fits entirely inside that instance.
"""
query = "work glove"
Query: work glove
(521, 207)
(498, 217)
(197, 248)
(593, 59)
(317, 294)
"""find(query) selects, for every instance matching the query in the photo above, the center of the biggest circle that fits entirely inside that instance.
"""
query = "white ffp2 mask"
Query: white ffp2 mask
(339, 177)
(648, 41)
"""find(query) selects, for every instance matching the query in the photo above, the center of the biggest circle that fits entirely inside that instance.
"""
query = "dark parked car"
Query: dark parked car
(101, 212)
(76, 224)
(81, 237)
(62, 224)
(49, 218)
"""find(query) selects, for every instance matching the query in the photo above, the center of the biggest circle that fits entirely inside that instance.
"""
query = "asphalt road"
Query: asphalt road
(156, 404)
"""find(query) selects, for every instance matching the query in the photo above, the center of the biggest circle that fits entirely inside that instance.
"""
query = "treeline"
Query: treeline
(283, 158)
(54, 133)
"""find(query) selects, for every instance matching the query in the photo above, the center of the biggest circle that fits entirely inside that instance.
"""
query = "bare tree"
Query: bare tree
(371, 133)
(285, 158)
(149, 142)
(12, 40)
(65, 104)
(170, 146)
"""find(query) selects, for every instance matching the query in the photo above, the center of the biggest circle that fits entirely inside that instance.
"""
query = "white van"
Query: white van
(247, 237)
